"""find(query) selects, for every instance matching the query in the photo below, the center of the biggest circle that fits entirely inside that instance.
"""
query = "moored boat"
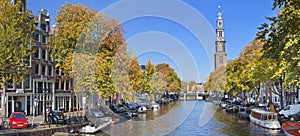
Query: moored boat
(265, 119)
(291, 128)
(142, 109)
(101, 124)
(154, 106)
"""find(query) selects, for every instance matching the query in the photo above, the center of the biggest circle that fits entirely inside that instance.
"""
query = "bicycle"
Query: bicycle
(4, 123)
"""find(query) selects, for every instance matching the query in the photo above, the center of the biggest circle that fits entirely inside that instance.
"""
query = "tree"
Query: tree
(281, 38)
(157, 84)
(111, 44)
(71, 20)
(136, 75)
(172, 79)
(16, 32)
(120, 72)
(217, 79)
(281, 41)
(147, 75)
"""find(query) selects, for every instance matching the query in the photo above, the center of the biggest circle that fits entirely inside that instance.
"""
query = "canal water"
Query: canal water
(187, 118)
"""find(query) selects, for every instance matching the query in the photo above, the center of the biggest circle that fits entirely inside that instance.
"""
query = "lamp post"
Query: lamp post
(44, 98)
(282, 77)
(35, 104)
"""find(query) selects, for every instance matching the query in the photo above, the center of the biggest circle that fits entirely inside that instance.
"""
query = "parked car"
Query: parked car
(118, 108)
(294, 117)
(18, 120)
(289, 110)
(132, 106)
(57, 117)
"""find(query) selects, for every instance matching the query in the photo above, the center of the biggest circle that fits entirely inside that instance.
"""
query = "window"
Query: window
(57, 71)
(37, 37)
(44, 27)
(27, 60)
(37, 25)
(50, 71)
(221, 59)
(10, 84)
(37, 69)
(43, 54)
(50, 87)
(220, 23)
(67, 85)
(40, 87)
(43, 70)
(56, 85)
(37, 53)
(44, 39)
(27, 82)
(19, 85)
(62, 85)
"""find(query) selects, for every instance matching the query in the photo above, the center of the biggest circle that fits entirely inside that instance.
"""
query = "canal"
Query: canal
(188, 118)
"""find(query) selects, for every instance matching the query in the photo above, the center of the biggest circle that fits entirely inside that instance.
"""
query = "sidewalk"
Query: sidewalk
(40, 119)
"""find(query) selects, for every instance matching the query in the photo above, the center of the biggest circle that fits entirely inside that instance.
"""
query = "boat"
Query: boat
(100, 124)
(244, 112)
(154, 106)
(291, 128)
(142, 109)
(126, 115)
(265, 119)
(223, 105)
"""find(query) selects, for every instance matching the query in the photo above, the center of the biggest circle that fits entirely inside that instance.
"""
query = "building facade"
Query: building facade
(43, 87)
(220, 55)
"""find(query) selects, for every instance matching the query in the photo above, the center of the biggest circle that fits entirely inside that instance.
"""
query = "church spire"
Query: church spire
(220, 56)
(219, 12)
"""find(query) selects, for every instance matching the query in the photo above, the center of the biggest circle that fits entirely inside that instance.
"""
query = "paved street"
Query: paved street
(38, 121)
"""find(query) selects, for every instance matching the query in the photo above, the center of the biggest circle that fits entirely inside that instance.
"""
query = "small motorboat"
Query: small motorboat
(142, 109)
(154, 106)
(100, 124)
(126, 115)
(291, 128)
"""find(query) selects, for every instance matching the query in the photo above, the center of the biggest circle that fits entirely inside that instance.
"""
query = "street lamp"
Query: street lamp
(44, 98)
(282, 77)
(35, 104)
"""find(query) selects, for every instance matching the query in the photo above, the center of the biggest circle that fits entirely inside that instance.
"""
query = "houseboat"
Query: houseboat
(265, 119)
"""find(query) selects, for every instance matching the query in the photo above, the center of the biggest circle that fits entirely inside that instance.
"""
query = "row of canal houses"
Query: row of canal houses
(291, 96)
(43, 87)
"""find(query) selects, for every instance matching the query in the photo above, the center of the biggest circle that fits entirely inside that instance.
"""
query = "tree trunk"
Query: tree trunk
(3, 100)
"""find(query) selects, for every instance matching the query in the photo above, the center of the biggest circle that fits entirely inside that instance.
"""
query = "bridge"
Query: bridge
(193, 96)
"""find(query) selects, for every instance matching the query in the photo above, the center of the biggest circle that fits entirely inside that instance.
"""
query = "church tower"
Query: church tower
(220, 55)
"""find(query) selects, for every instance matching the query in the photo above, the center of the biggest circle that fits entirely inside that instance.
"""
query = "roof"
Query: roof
(261, 111)
(17, 112)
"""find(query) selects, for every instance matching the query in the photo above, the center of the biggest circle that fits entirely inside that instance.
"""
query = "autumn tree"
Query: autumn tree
(147, 75)
(172, 79)
(105, 57)
(136, 75)
(16, 32)
(120, 72)
(71, 20)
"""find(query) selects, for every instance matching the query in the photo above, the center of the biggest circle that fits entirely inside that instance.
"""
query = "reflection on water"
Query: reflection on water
(186, 118)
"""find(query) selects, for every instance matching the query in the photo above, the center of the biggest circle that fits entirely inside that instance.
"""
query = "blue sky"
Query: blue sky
(180, 33)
